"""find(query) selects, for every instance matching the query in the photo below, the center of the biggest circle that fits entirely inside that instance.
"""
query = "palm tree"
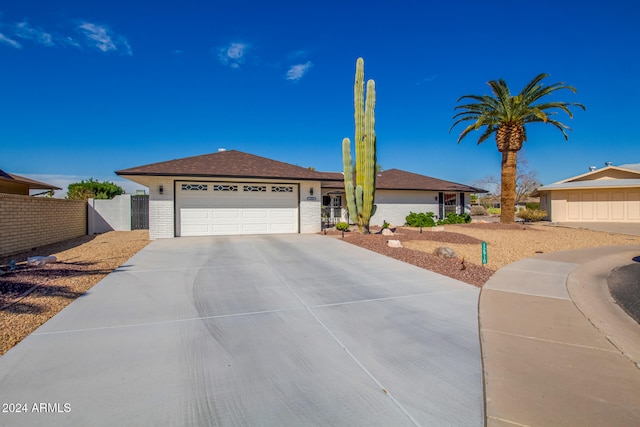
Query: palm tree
(506, 115)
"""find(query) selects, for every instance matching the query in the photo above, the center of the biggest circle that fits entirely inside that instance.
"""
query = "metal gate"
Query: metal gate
(140, 212)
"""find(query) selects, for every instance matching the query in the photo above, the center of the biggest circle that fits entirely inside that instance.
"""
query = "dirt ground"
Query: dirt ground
(507, 246)
(29, 296)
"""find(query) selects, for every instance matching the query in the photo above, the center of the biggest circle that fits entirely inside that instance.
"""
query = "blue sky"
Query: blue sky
(87, 88)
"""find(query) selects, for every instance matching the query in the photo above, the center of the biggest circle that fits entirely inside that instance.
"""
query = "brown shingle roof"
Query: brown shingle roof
(32, 183)
(231, 163)
(396, 179)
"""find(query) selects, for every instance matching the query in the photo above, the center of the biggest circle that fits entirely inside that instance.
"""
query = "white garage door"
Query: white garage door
(211, 208)
(615, 205)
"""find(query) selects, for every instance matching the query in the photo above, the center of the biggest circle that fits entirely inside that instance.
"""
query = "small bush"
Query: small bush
(385, 224)
(453, 218)
(532, 206)
(420, 219)
(342, 226)
(493, 211)
(478, 211)
(531, 215)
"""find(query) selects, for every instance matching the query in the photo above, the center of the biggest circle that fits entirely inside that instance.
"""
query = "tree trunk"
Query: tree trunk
(508, 196)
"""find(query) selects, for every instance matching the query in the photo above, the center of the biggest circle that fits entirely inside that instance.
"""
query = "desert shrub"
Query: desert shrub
(532, 206)
(342, 226)
(478, 211)
(493, 211)
(453, 218)
(385, 224)
(531, 214)
(420, 219)
(84, 190)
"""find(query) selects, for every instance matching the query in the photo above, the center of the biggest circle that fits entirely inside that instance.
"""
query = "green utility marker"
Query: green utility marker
(484, 253)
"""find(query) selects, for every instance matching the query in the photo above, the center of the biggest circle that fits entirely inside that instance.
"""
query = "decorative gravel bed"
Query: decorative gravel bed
(506, 243)
(29, 296)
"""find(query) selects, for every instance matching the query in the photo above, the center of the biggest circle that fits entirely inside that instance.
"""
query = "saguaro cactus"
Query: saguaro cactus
(361, 193)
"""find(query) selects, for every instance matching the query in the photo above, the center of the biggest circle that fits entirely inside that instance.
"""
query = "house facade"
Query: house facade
(399, 192)
(15, 184)
(609, 194)
(231, 192)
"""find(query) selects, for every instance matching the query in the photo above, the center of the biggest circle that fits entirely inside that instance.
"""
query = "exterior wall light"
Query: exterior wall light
(161, 189)
(311, 191)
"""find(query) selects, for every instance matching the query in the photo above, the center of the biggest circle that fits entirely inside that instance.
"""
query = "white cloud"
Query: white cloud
(6, 40)
(427, 79)
(233, 55)
(101, 37)
(296, 72)
(26, 31)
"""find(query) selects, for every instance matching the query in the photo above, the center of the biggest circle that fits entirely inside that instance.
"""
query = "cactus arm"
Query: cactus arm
(358, 101)
(359, 203)
(348, 179)
(369, 183)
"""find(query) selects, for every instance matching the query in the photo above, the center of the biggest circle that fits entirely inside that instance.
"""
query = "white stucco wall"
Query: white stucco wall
(161, 208)
(109, 215)
(310, 210)
(394, 206)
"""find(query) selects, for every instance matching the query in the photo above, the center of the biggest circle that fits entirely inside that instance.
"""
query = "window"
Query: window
(222, 187)
(195, 187)
(450, 203)
(255, 188)
(282, 189)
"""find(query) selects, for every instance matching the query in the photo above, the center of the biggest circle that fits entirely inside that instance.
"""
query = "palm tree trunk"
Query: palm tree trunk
(508, 192)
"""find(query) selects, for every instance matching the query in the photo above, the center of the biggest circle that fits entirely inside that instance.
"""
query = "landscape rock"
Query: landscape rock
(40, 260)
(394, 243)
(387, 232)
(444, 252)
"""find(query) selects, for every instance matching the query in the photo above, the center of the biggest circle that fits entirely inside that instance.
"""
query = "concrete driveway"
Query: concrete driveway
(258, 330)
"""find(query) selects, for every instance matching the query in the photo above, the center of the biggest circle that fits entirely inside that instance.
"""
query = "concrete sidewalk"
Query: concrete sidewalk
(556, 349)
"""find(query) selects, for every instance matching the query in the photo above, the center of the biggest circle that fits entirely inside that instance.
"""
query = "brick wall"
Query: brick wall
(161, 208)
(28, 222)
(310, 210)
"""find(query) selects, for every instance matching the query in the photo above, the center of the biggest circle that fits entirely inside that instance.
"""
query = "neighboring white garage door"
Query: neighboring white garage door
(618, 205)
(211, 208)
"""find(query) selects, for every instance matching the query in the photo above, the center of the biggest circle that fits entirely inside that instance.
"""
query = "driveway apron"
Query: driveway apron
(253, 330)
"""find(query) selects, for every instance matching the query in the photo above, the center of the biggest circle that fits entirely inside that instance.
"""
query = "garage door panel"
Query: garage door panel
(195, 229)
(255, 214)
(219, 210)
(573, 206)
(258, 228)
(617, 206)
(602, 207)
(222, 229)
(225, 214)
(282, 228)
(195, 214)
(587, 207)
(633, 203)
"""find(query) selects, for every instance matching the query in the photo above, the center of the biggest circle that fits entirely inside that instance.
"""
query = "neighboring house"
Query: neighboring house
(611, 194)
(15, 184)
(231, 192)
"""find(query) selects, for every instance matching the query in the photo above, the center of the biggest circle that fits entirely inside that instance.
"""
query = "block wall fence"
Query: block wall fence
(28, 222)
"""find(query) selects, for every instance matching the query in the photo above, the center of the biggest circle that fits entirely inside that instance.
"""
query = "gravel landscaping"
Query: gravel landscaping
(29, 296)
(506, 243)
